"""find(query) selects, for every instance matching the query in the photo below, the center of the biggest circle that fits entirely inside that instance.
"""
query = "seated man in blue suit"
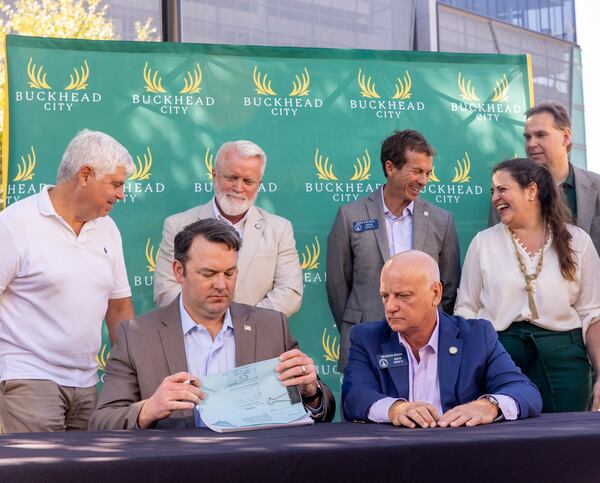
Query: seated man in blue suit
(421, 367)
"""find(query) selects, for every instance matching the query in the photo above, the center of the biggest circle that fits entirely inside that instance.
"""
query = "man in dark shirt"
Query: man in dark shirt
(548, 140)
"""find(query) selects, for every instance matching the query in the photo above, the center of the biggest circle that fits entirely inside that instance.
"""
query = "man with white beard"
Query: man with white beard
(269, 273)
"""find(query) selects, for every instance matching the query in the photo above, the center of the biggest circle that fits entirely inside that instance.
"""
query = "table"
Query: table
(553, 447)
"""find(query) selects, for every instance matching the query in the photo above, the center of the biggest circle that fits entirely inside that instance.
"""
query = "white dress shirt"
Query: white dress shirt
(239, 226)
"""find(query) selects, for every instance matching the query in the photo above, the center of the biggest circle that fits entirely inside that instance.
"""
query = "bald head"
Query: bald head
(416, 262)
(410, 289)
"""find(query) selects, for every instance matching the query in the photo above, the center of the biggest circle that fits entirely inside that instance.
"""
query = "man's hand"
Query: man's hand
(411, 414)
(296, 368)
(474, 413)
(179, 391)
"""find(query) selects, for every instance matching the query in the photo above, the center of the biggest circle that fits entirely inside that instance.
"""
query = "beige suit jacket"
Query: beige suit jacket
(150, 348)
(269, 273)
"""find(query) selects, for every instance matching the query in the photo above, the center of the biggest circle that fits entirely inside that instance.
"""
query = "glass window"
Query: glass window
(362, 24)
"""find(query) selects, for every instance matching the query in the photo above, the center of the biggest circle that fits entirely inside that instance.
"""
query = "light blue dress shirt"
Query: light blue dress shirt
(203, 354)
(399, 228)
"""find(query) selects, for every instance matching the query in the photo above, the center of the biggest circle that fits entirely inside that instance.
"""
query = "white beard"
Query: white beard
(232, 206)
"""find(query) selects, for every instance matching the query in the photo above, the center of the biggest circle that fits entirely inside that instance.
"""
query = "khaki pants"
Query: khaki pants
(41, 405)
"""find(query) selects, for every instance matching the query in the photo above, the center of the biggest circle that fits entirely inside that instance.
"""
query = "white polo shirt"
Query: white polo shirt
(54, 292)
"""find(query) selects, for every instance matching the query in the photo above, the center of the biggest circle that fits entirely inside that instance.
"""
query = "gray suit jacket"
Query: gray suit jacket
(269, 273)
(587, 194)
(355, 260)
(150, 348)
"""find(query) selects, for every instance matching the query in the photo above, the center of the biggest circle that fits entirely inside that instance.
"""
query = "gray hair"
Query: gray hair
(246, 149)
(96, 149)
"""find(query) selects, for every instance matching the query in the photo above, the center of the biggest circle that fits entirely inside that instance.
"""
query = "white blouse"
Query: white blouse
(492, 286)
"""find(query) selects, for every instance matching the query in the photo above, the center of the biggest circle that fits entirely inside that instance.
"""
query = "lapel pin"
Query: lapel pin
(453, 350)
(247, 328)
(426, 213)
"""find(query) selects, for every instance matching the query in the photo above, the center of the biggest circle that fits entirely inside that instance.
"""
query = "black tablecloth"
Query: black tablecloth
(553, 447)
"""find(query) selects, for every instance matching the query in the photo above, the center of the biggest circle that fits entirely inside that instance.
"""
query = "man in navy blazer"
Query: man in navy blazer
(421, 367)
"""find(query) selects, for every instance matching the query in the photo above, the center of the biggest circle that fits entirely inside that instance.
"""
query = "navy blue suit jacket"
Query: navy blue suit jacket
(480, 366)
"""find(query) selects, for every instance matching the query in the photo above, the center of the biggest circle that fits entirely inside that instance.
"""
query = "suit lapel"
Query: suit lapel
(420, 225)
(206, 211)
(449, 358)
(253, 230)
(244, 329)
(375, 211)
(586, 200)
(171, 336)
(398, 374)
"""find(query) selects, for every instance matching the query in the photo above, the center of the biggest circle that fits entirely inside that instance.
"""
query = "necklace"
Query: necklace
(530, 278)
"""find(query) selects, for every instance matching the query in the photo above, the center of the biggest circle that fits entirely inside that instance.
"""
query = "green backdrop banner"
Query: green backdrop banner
(320, 115)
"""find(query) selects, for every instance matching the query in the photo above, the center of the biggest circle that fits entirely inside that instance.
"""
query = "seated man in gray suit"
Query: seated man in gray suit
(393, 219)
(154, 374)
(548, 140)
(269, 273)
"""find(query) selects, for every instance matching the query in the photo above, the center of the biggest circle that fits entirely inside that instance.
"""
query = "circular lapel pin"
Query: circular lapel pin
(453, 350)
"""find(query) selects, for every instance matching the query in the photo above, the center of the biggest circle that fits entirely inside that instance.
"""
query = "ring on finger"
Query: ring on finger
(303, 370)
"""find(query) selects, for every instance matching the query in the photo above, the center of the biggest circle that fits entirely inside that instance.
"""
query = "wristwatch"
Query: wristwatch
(315, 396)
(494, 402)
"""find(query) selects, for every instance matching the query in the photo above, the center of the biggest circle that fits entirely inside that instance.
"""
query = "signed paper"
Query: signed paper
(250, 397)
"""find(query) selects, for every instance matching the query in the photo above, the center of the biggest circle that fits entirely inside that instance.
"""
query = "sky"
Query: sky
(587, 13)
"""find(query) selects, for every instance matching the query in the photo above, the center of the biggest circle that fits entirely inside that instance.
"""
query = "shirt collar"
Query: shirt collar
(407, 211)
(188, 324)
(47, 208)
(570, 179)
(45, 205)
(433, 342)
(219, 216)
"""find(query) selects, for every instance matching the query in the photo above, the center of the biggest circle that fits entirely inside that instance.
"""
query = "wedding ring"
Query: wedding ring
(303, 370)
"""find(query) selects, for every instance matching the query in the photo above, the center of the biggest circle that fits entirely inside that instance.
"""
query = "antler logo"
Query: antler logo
(79, 81)
(310, 257)
(467, 92)
(331, 347)
(192, 82)
(37, 80)
(141, 169)
(153, 82)
(324, 170)
(362, 168)
(432, 177)
(462, 170)
(208, 163)
(501, 90)
(403, 87)
(263, 87)
(26, 167)
(301, 85)
(151, 256)
(367, 89)
(102, 358)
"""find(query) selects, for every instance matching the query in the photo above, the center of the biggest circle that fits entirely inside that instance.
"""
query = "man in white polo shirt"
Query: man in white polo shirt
(61, 272)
